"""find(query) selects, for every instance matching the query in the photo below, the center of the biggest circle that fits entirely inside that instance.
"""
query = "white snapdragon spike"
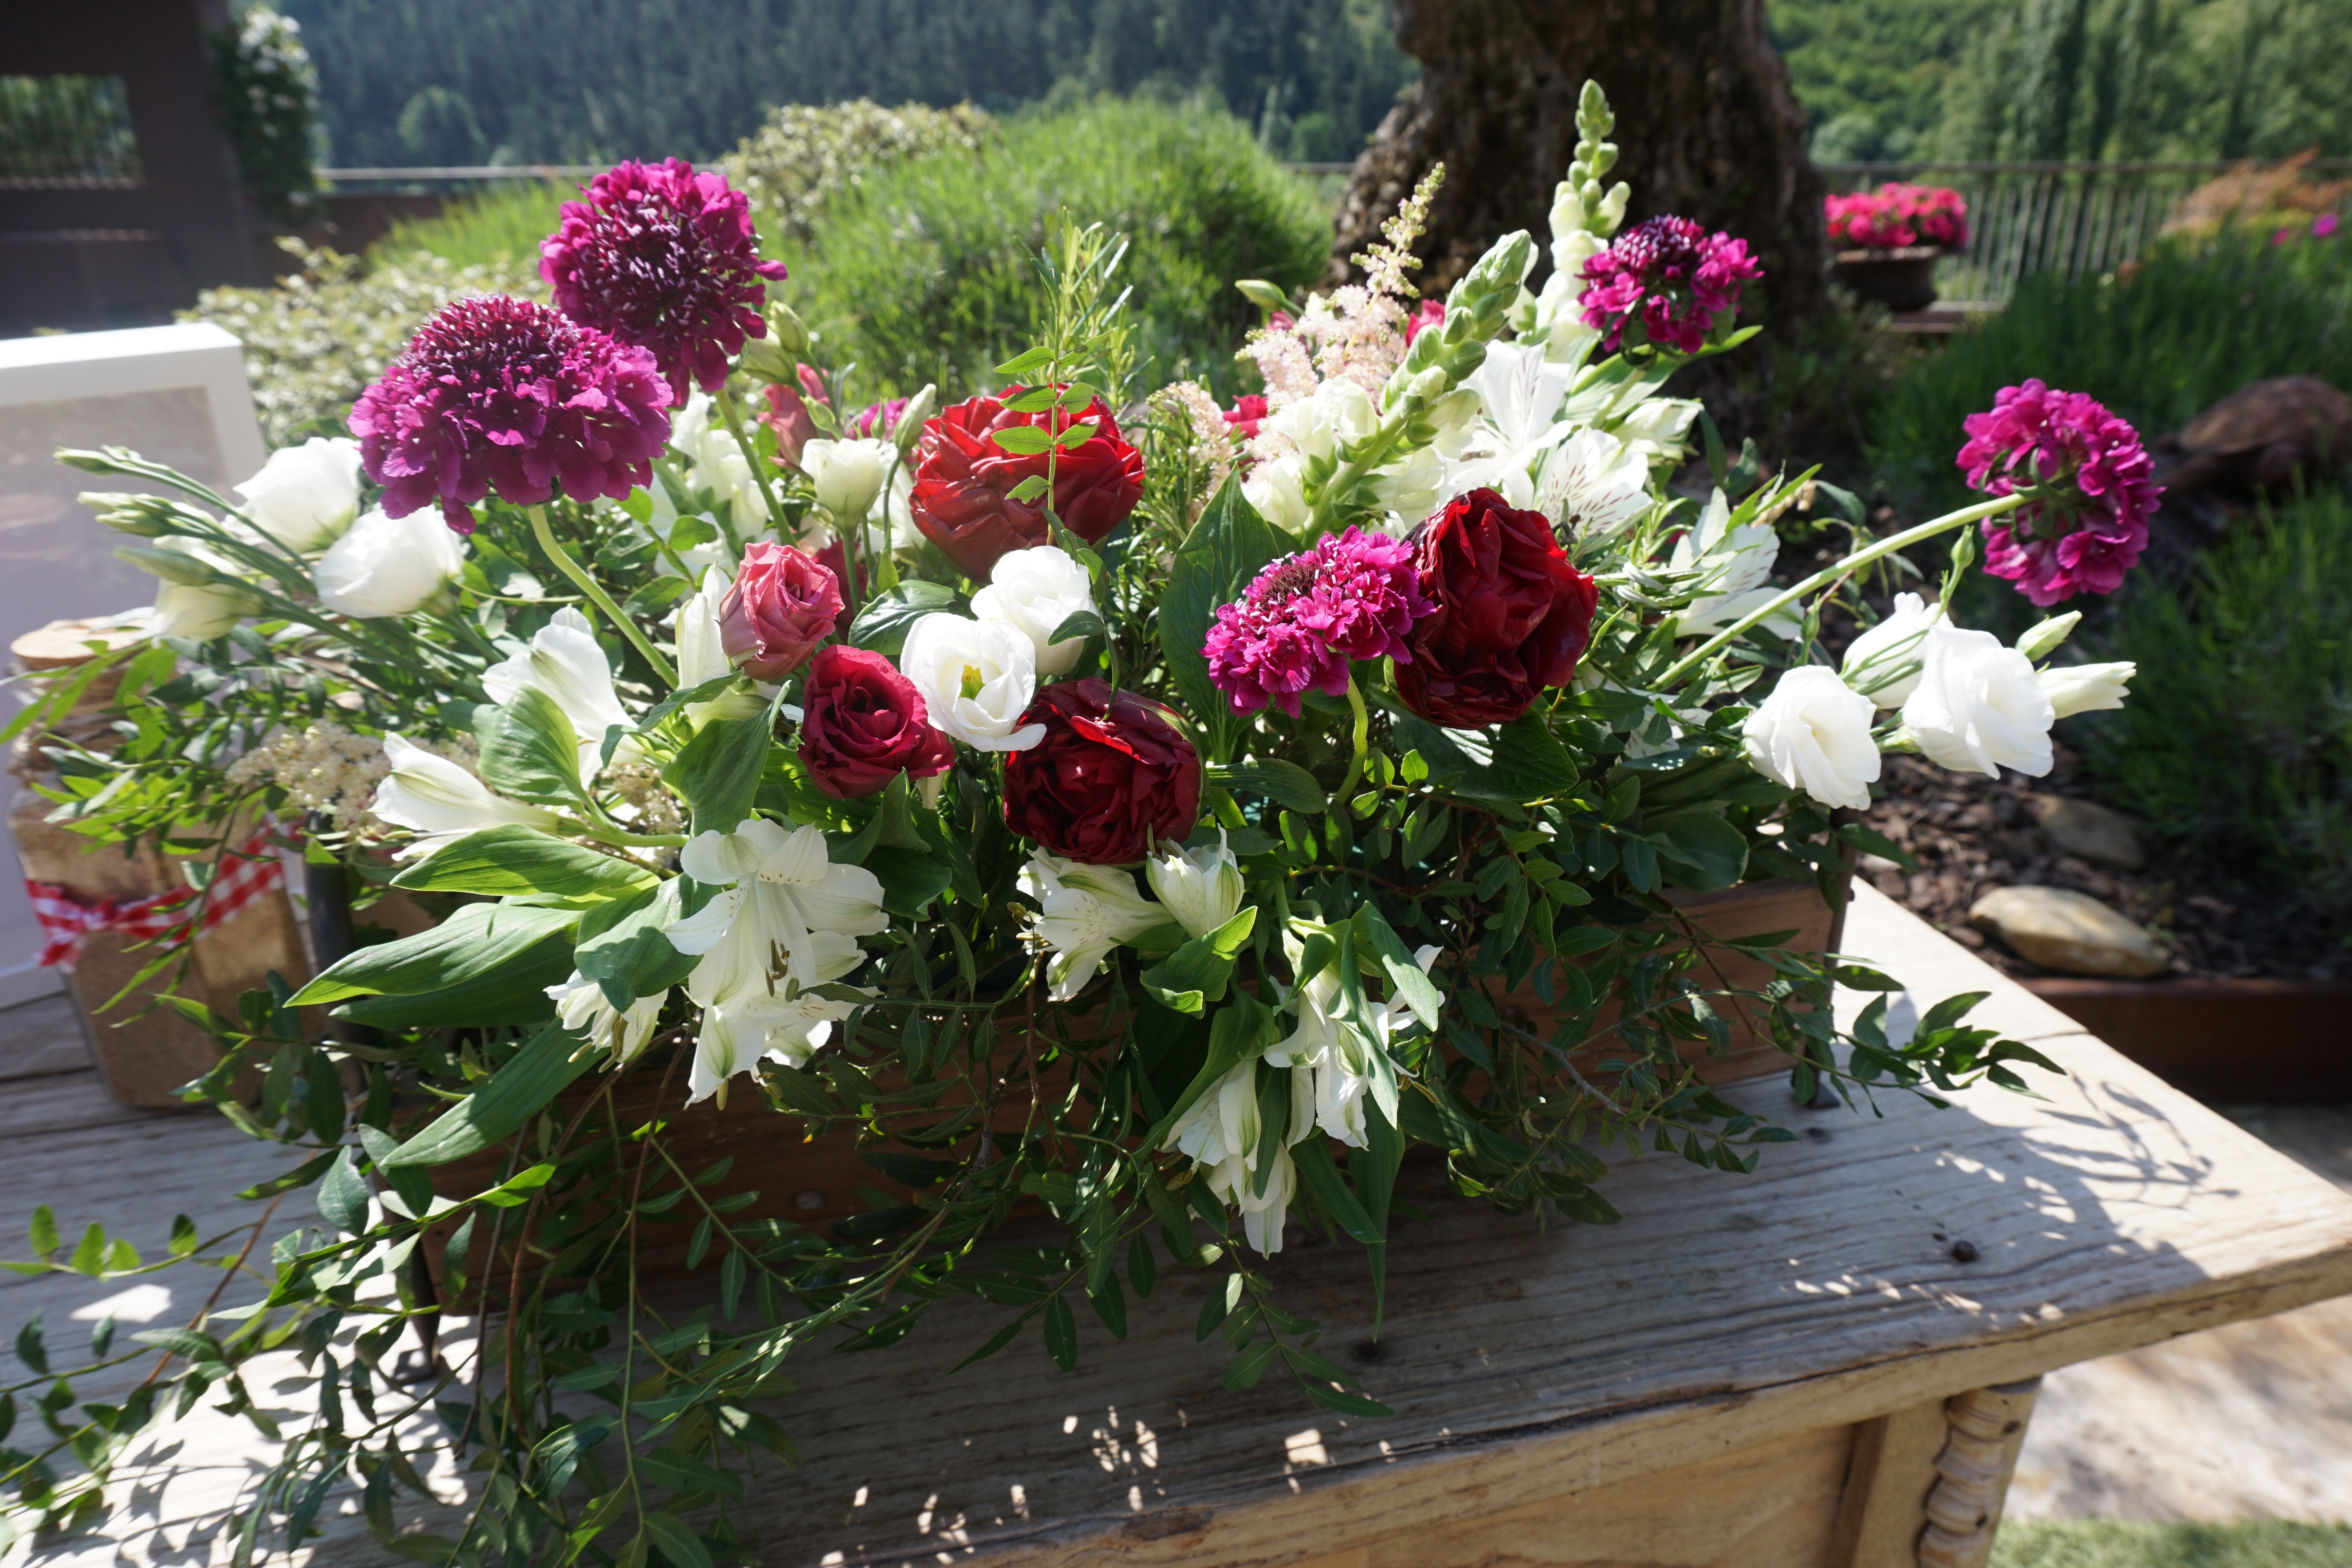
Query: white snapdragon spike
(782, 896)
(438, 800)
(786, 1024)
(304, 496)
(564, 661)
(848, 474)
(1340, 413)
(1978, 707)
(1084, 911)
(580, 1004)
(703, 440)
(1734, 572)
(2086, 688)
(386, 565)
(977, 679)
(1202, 888)
(1812, 733)
(1277, 488)
(1035, 591)
(1594, 486)
(1883, 662)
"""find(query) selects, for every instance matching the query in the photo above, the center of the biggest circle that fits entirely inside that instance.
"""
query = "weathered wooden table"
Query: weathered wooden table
(1794, 1367)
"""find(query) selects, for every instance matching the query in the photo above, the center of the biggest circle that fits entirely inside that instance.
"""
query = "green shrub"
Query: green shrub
(807, 155)
(2238, 735)
(2106, 1543)
(497, 228)
(929, 276)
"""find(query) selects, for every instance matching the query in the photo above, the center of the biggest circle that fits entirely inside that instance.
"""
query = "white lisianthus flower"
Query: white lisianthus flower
(1876, 662)
(580, 1004)
(2086, 688)
(781, 893)
(1202, 888)
(565, 661)
(786, 1024)
(1340, 413)
(1035, 591)
(1084, 911)
(977, 679)
(1812, 733)
(387, 565)
(195, 602)
(438, 800)
(1978, 707)
(719, 462)
(1734, 567)
(1277, 488)
(1594, 485)
(848, 474)
(702, 657)
(304, 496)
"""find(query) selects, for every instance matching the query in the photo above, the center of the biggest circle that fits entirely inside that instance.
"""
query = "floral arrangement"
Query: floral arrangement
(1086, 801)
(1896, 215)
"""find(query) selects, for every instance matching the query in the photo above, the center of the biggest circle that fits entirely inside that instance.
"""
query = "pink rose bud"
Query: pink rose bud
(789, 417)
(782, 603)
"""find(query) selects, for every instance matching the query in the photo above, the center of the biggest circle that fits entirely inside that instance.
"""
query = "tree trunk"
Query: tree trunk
(1706, 125)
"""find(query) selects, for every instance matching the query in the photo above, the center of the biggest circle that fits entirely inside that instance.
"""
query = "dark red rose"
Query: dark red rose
(865, 725)
(1512, 614)
(1111, 775)
(781, 605)
(963, 478)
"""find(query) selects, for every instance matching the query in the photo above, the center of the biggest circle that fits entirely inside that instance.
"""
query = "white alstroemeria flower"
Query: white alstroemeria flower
(1262, 1214)
(580, 1004)
(1519, 394)
(304, 496)
(385, 565)
(1594, 486)
(1658, 427)
(786, 1024)
(1734, 572)
(848, 474)
(1883, 663)
(1340, 413)
(1277, 488)
(977, 679)
(704, 440)
(565, 662)
(1202, 888)
(1084, 911)
(1221, 1127)
(781, 893)
(438, 800)
(2085, 688)
(1035, 591)
(1978, 707)
(1812, 733)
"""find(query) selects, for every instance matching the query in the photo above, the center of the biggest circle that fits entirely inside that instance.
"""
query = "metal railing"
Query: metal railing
(2081, 219)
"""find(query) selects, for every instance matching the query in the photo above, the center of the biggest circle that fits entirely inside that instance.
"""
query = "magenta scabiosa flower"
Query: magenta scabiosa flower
(1666, 278)
(1354, 595)
(2092, 486)
(666, 259)
(496, 395)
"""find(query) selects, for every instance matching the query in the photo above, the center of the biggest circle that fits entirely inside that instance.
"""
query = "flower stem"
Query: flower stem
(1827, 575)
(597, 596)
(1364, 742)
(734, 417)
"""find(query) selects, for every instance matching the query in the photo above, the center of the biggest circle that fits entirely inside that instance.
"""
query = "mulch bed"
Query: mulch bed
(1972, 834)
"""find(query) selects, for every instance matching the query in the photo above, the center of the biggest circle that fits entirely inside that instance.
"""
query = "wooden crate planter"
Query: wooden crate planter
(1902, 280)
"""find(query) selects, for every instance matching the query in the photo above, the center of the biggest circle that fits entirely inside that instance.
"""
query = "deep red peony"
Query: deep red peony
(865, 725)
(781, 604)
(963, 478)
(1512, 615)
(1111, 775)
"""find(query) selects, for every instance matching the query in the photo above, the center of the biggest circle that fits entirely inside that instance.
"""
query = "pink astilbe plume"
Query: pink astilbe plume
(2093, 491)
(666, 259)
(496, 395)
(1668, 278)
(1354, 595)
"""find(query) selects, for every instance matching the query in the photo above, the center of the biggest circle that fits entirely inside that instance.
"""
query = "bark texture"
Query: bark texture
(1706, 126)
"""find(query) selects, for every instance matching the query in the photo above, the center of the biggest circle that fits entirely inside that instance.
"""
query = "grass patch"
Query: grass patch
(499, 227)
(2103, 1543)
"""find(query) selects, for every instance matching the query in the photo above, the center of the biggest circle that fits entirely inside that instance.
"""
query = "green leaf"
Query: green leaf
(1346, 1402)
(910, 879)
(1022, 440)
(476, 941)
(529, 750)
(29, 1348)
(1707, 852)
(886, 618)
(46, 1239)
(1019, 364)
(1316, 1168)
(511, 858)
(717, 773)
(512, 1096)
(1285, 783)
(1196, 974)
(1061, 1334)
(1225, 549)
(515, 994)
(343, 1195)
(621, 947)
(675, 1537)
(1529, 762)
(1420, 992)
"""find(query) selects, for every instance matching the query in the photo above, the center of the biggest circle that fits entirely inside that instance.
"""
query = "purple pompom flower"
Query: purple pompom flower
(2092, 484)
(1669, 278)
(1354, 595)
(666, 259)
(496, 393)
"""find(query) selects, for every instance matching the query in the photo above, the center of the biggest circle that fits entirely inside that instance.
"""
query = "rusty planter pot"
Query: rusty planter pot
(2220, 1040)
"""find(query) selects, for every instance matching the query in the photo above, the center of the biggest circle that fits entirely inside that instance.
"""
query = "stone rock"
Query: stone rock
(2092, 831)
(2070, 933)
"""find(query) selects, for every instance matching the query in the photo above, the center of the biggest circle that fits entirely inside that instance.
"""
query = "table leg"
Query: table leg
(1987, 1429)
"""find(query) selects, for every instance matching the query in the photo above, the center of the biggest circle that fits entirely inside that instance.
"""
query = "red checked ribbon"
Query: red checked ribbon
(253, 871)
